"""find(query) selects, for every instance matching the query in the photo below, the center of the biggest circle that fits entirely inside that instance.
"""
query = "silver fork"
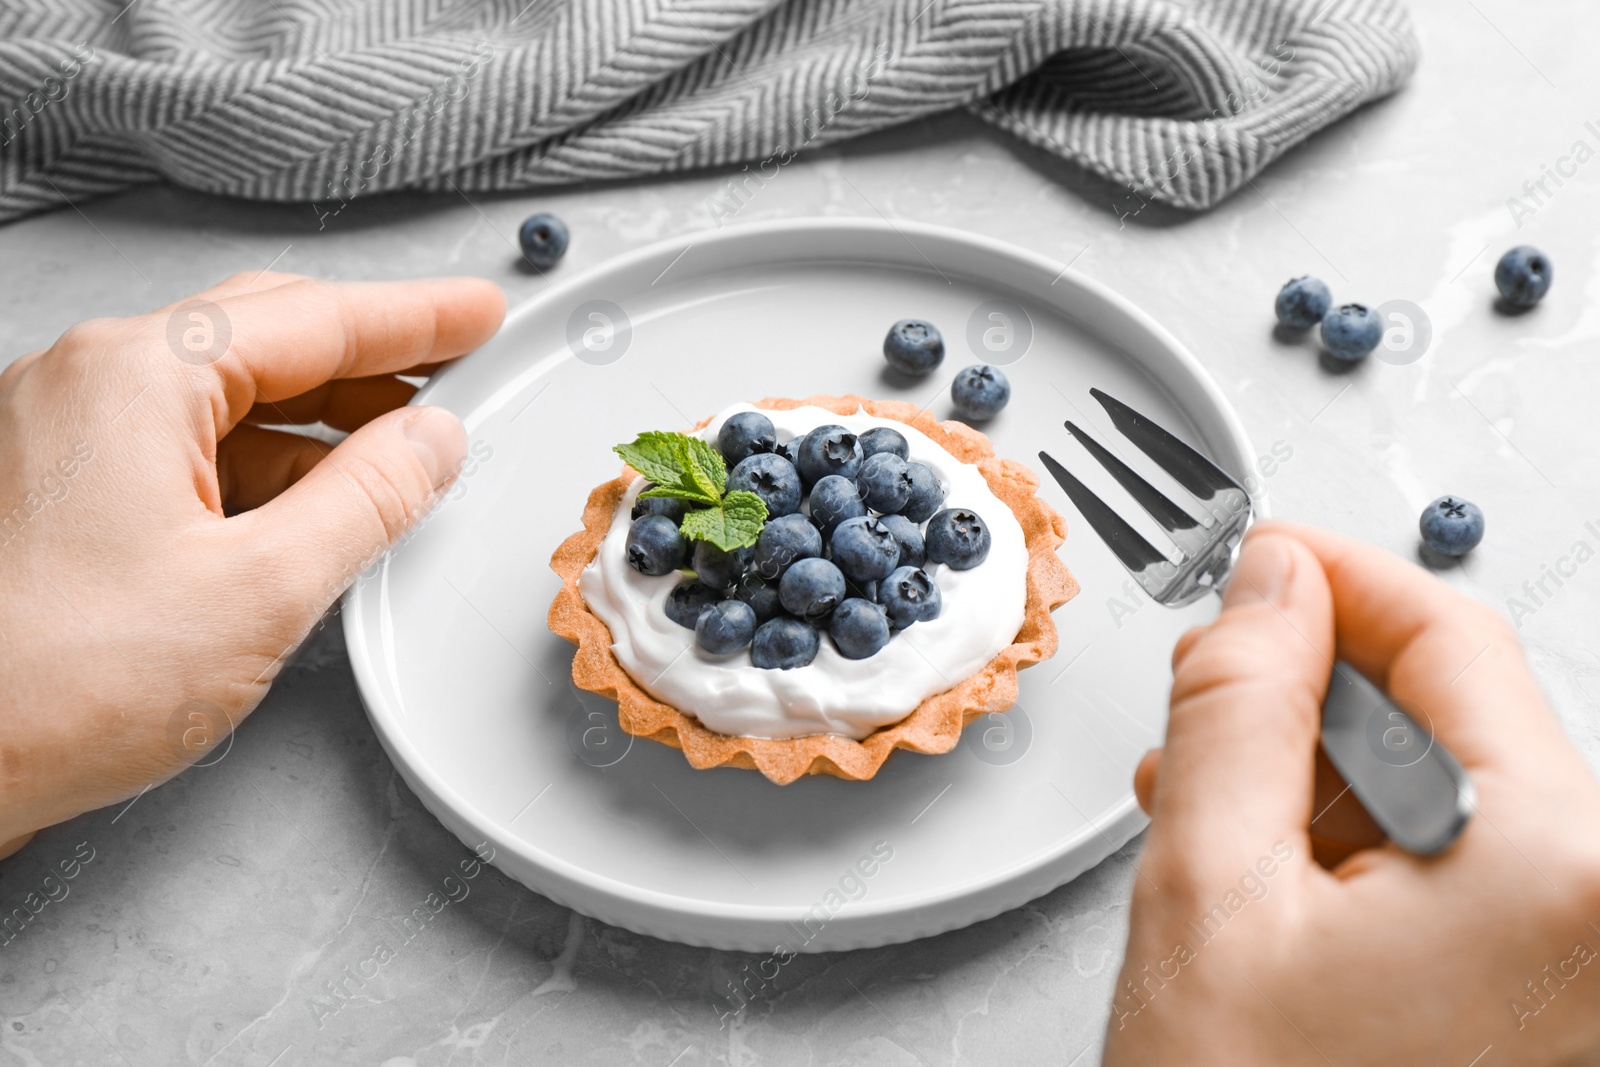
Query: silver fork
(1413, 787)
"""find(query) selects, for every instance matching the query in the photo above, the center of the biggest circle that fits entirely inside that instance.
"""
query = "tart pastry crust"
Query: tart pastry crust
(934, 726)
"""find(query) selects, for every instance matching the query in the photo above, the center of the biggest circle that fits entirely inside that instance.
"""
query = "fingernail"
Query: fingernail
(438, 439)
(1263, 572)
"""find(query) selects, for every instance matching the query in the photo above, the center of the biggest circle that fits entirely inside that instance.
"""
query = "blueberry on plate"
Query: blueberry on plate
(859, 629)
(927, 493)
(687, 600)
(770, 477)
(744, 435)
(833, 500)
(908, 535)
(725, 627)
(543, 239)
(811, 589)
(670, 506)
(719, 569)
(761, 595)
(1523, 276)
(828, 450)
(655, 547)
(1302, 303)
(884, 439)
(1451, 526)
(783, 541)
(908, 596)
(1350, 331)
(784, 643)
(865, 550)
(957, 538)
(885, 482)
(980, 391)
(914, 347)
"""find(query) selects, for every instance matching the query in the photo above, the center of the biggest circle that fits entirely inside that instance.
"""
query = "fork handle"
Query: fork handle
(1413, 787)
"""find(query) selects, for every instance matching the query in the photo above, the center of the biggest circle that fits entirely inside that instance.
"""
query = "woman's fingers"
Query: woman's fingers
(1450, 661)
(344, 404)
(289, 340)
(1236, 772)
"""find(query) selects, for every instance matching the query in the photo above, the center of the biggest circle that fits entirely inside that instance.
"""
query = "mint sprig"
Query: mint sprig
(687, 468)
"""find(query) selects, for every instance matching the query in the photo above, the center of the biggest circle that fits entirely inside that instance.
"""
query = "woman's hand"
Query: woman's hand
(140, 624)
(1243, 950)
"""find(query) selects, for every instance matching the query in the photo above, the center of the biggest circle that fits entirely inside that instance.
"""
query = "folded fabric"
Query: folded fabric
(326, 100)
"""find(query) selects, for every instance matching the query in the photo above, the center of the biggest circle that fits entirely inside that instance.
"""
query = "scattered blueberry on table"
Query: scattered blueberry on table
(1351, 331)
(1302, 302)
(1451, 526)
(1523, 276)
(914, 347)
(980, 391)
(543, 238)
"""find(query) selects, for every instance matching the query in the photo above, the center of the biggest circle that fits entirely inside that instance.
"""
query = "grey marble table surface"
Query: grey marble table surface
(220, 913)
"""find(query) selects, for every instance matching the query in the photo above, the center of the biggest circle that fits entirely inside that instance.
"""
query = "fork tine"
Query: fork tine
(1188, 468)
(1133, 550)
(1171, 517)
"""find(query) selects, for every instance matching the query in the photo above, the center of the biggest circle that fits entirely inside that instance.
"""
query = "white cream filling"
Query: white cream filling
(983, 610)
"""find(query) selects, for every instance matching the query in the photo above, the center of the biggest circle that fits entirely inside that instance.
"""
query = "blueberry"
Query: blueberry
(914, 347)
(927, 493)
(655, 546)
(1350, 331)
(1523, 276)
(908, 535)
(909, 595)
(865, 550)
(863, 590)
(859, 628)
(811, 588)
(783, 541)
(543, 239)
(785, 643)
(770, 477)
(1302, 303)
(688, 599)
(884, 439)
(761, 595)
(790, 450)
(885, 482)
(744, 435)
(980, 391)
(719, 569)
(1451, 526)
(957, 538)
(671, 507)
(725, 627)
(829, 450)
(833, 500)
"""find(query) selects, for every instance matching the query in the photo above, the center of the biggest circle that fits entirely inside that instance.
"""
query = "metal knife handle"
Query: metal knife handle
(1411, 785)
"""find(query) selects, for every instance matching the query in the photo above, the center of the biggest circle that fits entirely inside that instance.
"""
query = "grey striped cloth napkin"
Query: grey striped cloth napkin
(325, 100)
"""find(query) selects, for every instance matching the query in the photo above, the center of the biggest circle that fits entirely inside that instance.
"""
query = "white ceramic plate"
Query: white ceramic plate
(470, 693)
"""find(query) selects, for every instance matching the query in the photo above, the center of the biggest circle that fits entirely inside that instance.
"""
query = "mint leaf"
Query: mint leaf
(705, 467)
(656, 455)
(735, 524)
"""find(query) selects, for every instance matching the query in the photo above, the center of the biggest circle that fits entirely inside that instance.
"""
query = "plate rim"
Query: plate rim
(1125, 822)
